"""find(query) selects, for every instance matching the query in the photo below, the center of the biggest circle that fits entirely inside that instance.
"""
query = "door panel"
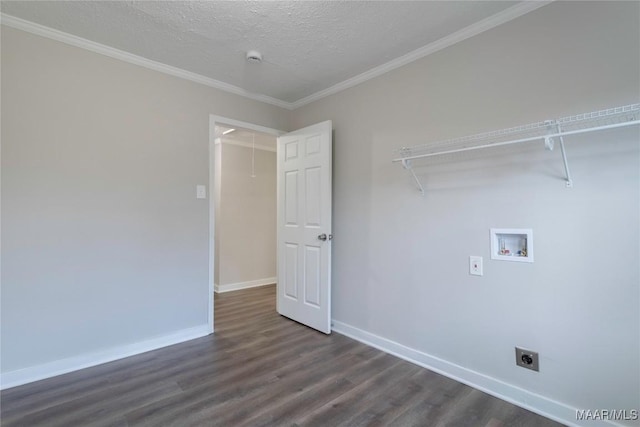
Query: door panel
(291, 198)
(313, 197)
(290, 271)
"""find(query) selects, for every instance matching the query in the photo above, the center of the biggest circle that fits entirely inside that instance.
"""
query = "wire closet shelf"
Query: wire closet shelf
(549, 130)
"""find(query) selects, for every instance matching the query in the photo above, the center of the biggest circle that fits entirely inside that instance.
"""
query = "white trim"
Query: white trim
(542, 405)
(486, 24)
(63, 366)
(493, 21)
(212, 221)
(245, 285)
(246, 144)
(245, 125)
(70, 39)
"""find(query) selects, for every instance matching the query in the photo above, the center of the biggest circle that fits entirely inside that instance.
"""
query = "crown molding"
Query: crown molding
(70, 39)
(472, 30)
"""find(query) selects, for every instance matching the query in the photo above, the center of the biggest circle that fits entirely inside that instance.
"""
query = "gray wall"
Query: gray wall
(247, 221)
(400, 261)
(103, 241)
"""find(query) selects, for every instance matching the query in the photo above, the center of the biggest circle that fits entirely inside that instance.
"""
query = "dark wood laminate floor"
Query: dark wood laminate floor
(258, 369)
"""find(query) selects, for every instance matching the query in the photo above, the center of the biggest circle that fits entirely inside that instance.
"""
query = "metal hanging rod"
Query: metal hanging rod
(548, 130)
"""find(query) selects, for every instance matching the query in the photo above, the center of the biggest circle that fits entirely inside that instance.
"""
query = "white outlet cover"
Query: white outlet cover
(201, 191)
(475, 265)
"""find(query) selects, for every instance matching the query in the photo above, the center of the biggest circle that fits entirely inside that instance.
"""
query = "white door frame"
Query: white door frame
(213, 121)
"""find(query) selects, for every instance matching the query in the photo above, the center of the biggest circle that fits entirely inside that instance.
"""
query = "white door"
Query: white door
(304, 226)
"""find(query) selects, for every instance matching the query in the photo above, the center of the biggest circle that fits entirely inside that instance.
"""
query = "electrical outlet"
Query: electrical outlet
(527, 359)
(475, 265)
(201, 191)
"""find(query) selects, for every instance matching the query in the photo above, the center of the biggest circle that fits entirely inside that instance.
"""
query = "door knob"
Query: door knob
(324, 237)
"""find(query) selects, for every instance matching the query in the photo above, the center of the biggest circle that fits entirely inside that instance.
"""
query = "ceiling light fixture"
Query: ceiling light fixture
(254, 56)
(227, 131)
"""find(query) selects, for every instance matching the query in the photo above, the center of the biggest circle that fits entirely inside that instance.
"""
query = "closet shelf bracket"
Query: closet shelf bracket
(554, 130)
(568, 181)
(406, 163)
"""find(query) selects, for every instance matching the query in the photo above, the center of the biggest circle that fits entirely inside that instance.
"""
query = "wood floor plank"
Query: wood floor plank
(102, 408)
(361, 397)
(428, 404)
(258, 369)
(388, 405)
(221, 393)
(315, 395)
(293, 383)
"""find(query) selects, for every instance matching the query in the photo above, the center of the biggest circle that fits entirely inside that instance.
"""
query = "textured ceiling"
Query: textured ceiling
(307, 46)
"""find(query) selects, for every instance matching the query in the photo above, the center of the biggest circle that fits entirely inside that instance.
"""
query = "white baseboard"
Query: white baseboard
(534, 402)
(63, 366)
(244, 285)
